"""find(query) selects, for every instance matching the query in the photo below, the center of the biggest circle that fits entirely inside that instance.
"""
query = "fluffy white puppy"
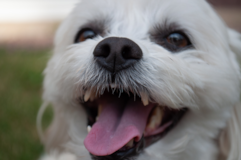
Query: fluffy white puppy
(148, 79)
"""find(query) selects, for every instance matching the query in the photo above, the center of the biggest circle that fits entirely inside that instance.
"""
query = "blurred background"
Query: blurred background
(26, 34)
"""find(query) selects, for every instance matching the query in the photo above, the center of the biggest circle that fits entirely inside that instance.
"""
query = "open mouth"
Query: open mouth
(122, 125)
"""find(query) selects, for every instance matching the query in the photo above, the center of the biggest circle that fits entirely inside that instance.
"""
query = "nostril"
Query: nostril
(126, 52)
(131, 52)
(102, 51)
(105, 50)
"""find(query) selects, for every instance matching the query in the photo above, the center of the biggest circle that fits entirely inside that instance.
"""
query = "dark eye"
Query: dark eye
(85, 34)
(176, 41)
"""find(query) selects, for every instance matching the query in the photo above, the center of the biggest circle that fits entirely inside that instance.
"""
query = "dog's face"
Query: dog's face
(150, 79)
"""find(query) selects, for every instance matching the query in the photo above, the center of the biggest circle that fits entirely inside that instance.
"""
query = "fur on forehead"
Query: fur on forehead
(136, 18)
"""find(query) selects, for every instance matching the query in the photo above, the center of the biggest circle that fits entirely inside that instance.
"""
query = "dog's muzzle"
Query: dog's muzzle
(121, 124)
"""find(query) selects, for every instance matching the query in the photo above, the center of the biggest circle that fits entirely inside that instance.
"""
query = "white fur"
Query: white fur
(206, 79)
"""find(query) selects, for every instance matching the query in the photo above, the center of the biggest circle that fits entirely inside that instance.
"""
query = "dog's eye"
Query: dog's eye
(84, 34)
(176, 41)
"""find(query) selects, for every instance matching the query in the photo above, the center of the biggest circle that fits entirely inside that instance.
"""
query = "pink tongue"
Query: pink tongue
(118, 123)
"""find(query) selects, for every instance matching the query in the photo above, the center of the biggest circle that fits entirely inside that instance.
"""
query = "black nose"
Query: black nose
(115, 54)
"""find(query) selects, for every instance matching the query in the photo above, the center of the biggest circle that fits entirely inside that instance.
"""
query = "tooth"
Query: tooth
(87, 95)
(144, 98)
(92, 97)
(89, 129)
(113, 85)
(100, 108)
(155, 118)
(130, 143)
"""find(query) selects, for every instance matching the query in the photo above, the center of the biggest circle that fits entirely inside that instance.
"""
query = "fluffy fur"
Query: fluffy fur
(206, 78)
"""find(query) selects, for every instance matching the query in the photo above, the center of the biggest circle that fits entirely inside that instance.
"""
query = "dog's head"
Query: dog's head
(147, 78)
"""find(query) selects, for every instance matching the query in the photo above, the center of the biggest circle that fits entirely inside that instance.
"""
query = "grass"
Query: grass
(20, 97)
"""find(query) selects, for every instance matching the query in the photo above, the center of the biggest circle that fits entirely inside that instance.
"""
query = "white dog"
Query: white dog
(148, 79)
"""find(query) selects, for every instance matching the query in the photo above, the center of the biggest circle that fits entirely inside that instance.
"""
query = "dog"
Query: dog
(144, 80)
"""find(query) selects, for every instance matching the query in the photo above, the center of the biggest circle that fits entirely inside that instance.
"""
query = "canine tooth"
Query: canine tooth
(87, 95)
(144, 98)
(155, 118)
(130, 143)
(89, 129)
(92, 97)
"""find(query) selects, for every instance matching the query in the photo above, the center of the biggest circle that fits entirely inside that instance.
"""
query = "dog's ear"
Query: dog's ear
(235, 42)
(230, 139)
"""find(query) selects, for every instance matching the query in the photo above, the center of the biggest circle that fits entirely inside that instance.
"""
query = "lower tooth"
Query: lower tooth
(130, 143)
(89, 129)
(155, 119)
(100, 108)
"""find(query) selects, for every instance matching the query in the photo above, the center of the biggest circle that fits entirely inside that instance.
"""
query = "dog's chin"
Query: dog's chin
(121, 125)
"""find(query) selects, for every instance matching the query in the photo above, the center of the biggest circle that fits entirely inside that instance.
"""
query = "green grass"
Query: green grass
(20, 97)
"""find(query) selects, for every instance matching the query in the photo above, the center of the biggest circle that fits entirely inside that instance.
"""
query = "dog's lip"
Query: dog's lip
(150, 137)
